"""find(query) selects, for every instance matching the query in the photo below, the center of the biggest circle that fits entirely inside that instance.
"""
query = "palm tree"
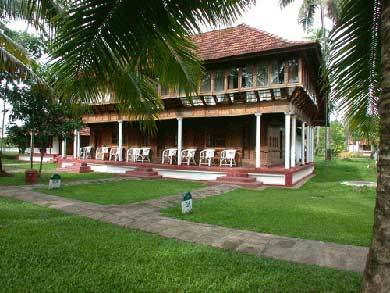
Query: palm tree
(360, 74)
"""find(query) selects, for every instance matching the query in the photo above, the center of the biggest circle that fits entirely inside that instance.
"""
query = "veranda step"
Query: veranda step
(244, 181)
(142, 172)
(236, 179)
(78, 168)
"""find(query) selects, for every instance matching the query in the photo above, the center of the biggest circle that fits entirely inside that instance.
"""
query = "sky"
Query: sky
(266, 15)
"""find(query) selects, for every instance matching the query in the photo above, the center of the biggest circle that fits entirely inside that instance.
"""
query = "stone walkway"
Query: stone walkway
(145, 216)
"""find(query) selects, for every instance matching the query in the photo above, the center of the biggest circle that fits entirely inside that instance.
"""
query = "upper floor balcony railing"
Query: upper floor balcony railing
(252, 82)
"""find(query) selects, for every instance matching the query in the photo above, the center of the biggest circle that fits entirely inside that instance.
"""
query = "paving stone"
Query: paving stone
(145, 216)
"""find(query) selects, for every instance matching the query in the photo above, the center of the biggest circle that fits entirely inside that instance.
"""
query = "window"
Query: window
(205, 87)
(278, 68)
(262, 74)
(293, 71)
(247, 76)
(233, 78)
(216, 140)
(219, 80)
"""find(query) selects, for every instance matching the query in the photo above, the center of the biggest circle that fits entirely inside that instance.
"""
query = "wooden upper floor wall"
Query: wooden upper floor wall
(259, 79)
(246, 70)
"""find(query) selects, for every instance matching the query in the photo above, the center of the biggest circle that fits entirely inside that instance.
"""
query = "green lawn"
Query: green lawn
(9, 158)
(44, 250)
(123, 192)
(322, 209)
(18, 178)
(25, 166)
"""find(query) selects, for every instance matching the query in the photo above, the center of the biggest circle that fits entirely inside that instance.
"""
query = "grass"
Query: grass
(123, 192)
(18, 178)
(44, 250)
(9, 158)
(322, 209)
(26, 166)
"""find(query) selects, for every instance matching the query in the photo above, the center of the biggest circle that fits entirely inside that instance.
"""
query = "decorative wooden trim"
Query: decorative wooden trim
(203, 111)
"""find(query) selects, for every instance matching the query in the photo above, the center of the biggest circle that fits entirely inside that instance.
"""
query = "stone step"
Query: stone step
(78, 168)
(247, 182)
(139, 175)
(144, 169)
(237, 173)
(236, 179)
(142, 172)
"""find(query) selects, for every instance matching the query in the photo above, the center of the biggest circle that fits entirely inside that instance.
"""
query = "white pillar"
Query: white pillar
(56, 146)
(75, 152)
(258, 135)
(293, 140)
(308, 144)
(312, 144)
(179, 139)
(287, 132)
(120, 140)
(63, 146)
(78, 144)
(303, 143)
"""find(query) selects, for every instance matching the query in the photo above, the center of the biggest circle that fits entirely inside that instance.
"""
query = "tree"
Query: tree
(18, 136)
(27, 48)
(42, 115)
(337, 143)
(360, 75)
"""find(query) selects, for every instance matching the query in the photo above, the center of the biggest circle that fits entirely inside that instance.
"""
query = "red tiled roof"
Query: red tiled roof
(239, 40)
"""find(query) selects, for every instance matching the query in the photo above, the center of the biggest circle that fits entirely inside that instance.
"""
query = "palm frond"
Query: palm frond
(354, 61)
(14, 48)
(43, 14)
(14, 58)
(284, 3)
(123, 46)
(306, 14)
(365, 126)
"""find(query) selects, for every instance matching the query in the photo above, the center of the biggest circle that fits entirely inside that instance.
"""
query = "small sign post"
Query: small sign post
(186, 202)
(55, 181)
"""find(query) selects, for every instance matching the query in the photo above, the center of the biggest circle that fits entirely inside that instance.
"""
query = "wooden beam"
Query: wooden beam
(227, 97)
(226, 110)
(257, 96)
(203, 101)
(272, 94)
(215, 99)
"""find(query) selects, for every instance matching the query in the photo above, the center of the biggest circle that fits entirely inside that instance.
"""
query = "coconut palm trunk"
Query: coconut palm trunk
(377, 272)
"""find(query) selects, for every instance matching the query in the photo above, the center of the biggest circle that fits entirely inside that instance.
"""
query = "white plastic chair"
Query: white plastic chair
(228, 158)
(132, 154)
(100, 152)
(143, 155)
(188, 156)
(206, 157)
(86, 152)
(114, 153)
(170, 155)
